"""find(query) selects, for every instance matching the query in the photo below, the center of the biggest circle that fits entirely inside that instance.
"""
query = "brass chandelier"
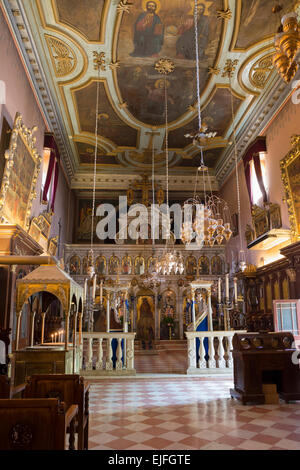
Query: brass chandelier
(287, 45)
(206, 221)
(170, 262)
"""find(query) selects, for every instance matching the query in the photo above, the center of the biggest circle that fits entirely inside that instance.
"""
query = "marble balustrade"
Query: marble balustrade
(212, 355)
(98, 354)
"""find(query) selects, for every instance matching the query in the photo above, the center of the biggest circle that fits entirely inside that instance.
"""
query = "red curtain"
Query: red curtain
(252, 153)
(55, 185)
(50, 143)
(48, 177)
(248, 181)
(258, 171)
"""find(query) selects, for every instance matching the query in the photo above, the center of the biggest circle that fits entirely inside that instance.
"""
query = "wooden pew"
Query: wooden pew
(7, 391)
(70, 389)
(39, 424)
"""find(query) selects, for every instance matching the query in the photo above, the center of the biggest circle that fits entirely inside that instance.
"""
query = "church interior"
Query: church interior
(149, 225)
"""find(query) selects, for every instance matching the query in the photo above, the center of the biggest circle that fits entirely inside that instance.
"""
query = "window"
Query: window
(257, 195)
(287, 316)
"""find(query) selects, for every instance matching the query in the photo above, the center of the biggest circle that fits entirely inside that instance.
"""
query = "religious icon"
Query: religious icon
(160, 196)
(85, 264)
(187, 308)
(100, 265)
(152, 264)
(130, 196)
(148, 32)
(204, 265)
(139, 265)
(126, 265)
(85, 223)
(75, 265)
(185, 45)
(113, 265)
(216, 265)
(191, 266)
(145, 324)
(168, 309)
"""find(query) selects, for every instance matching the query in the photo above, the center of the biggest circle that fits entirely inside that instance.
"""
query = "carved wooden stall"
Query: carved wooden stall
(64, 356)
(265, 358)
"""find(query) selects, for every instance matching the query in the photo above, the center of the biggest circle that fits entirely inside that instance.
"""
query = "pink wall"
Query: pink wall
(20, 98)
(278, 135)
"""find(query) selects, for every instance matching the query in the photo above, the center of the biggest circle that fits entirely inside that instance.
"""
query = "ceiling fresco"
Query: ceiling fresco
(127, 38)
(256, 20)
(172, 35)
(86, 17)
(110, 125)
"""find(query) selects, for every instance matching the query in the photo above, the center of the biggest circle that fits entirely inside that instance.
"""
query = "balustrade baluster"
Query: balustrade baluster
(99, 363)
(109, 362)
(89, 365)
(119, 364)
(202, 361)
(229, 353)
(130, 354)
(221, 352)
(192, 365)
(211, 353)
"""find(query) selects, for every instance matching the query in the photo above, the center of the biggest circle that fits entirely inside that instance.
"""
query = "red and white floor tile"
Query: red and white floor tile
(185, 413)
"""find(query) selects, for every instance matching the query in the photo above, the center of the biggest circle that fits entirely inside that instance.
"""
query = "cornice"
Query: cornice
(265, 108)
(25, 43)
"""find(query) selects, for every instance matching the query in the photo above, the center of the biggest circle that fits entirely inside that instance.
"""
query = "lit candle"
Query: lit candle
(235, 290)
(85, 290)
(94, 286)
(101, 291)
(227, 287)
(219, 290)
(55, 337)
(52, 338)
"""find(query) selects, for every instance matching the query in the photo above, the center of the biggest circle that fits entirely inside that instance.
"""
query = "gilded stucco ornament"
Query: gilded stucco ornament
(22, 148)
(288, 181)
(63, 58)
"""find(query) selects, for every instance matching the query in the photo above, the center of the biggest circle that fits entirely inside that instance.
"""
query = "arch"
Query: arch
(41, 328)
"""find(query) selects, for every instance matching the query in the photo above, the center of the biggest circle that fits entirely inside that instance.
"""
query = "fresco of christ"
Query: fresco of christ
(148, 33)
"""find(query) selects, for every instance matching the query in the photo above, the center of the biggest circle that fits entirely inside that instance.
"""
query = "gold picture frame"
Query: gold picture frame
(20, 175)
(290, 173)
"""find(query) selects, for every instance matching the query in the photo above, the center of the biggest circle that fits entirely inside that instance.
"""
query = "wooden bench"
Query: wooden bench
(39, 424)
(7, 391)
(69, 389)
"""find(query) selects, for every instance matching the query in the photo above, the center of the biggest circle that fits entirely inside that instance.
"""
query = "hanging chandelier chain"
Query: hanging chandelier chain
(236, 166)
(197, 62)
(167, 143)
(95, 160)
(153, 194)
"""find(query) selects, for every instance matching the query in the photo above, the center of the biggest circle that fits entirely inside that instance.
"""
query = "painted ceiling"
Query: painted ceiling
(128, 37)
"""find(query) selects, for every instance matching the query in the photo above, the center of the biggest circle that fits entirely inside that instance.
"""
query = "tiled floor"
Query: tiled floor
(183, 413)
(162, 363)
